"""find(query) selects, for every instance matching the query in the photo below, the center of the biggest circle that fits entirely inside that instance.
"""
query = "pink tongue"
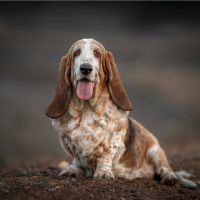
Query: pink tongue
(84, 89)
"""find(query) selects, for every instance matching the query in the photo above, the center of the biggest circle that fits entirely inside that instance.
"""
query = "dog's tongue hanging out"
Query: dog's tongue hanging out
(84, 89)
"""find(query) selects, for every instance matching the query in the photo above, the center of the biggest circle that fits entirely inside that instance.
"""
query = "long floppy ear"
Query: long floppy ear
(62, 96)
(115, 86)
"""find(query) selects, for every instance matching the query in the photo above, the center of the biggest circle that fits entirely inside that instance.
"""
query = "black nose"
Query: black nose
(86, 69)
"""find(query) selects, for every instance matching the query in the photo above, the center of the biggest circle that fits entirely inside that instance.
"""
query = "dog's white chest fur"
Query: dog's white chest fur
(88, 133)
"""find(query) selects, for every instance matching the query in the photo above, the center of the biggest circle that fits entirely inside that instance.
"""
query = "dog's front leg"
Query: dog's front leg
(105, 161)
(104, 167)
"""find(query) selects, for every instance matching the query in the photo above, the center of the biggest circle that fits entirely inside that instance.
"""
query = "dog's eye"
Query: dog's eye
(97, 54)
(77, 53)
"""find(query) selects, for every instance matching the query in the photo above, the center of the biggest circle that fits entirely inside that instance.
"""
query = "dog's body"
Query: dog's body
(90, 111)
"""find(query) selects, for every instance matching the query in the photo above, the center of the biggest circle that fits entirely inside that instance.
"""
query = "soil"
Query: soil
(40, 180)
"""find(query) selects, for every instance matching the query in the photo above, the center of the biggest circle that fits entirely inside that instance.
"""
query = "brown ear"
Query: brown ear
(62, 96)
(115, 86)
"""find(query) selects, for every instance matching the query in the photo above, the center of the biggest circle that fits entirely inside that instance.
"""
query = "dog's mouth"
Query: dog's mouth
(85, 89)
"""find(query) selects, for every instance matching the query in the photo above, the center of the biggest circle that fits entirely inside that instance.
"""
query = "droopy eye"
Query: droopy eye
(77, 53)
(97, 53)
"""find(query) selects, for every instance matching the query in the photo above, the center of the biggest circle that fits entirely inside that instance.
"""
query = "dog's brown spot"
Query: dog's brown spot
(128, 157)
(94, 125)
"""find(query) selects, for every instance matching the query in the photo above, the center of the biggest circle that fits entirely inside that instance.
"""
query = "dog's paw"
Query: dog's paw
(169, 178)
(70, 170)
(103, 174)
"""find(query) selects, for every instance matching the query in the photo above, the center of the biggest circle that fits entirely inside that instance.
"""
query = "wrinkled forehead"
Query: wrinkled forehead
(87, 43)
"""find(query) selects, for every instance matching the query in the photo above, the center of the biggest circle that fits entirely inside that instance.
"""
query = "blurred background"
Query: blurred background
(156, 48)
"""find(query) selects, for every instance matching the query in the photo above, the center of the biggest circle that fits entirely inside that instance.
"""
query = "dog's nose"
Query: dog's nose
(86, 69)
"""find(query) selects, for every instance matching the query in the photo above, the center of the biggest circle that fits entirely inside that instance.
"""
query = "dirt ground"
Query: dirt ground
(40, 180)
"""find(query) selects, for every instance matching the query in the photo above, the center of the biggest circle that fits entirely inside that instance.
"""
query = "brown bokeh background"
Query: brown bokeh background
(156, 47)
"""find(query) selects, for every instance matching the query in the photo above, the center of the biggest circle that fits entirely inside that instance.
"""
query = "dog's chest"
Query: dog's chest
(91, 133)
(88, 133)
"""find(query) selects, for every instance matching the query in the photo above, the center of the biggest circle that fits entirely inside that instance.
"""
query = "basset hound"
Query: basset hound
(90, 112)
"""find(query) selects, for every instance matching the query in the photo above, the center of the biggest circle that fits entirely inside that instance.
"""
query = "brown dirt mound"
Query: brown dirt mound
(39, 180)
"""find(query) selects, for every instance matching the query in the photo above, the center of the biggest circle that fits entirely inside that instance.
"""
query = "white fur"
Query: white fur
(153, 151)
(87, 48)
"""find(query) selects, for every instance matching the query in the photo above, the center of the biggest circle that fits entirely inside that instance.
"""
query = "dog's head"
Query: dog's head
(87, 66)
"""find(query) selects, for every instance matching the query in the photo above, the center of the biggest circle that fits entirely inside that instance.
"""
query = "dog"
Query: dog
(90, 111)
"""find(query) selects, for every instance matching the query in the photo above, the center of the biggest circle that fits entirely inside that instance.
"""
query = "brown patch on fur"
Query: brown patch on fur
(136, 145)
(130, 138)
(94, 125)
(98, 44)
(121, 127)
(100, 108)
(98, 151)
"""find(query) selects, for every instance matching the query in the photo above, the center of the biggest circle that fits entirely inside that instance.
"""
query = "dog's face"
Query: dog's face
(87, 55)
(86, 66)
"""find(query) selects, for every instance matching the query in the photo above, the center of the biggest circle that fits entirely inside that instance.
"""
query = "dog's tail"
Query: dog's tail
(183, 177)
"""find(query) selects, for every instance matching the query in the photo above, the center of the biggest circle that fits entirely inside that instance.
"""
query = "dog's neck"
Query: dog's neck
(100, 104)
